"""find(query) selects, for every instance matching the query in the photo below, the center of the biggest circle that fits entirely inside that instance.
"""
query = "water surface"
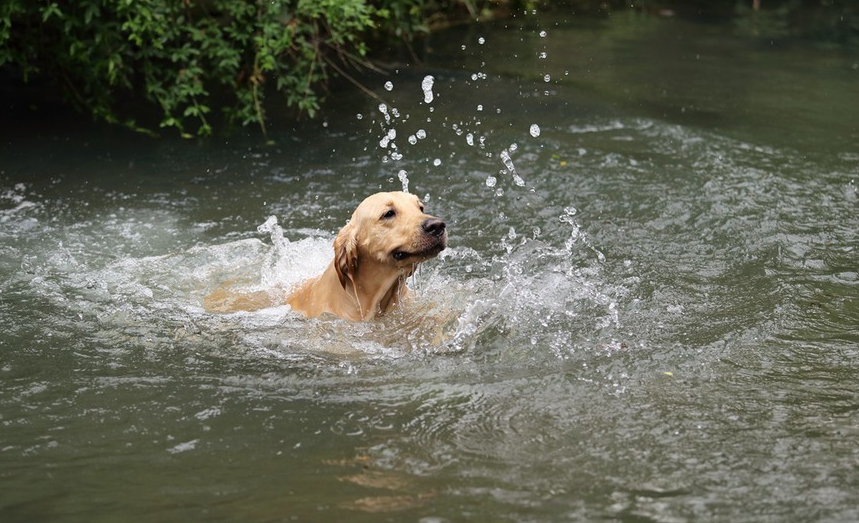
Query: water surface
(647, 311)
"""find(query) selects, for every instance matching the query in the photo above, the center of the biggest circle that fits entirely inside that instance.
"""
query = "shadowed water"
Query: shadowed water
(647, 311)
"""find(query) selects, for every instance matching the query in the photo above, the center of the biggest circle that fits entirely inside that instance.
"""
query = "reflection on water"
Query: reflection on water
(645, 313)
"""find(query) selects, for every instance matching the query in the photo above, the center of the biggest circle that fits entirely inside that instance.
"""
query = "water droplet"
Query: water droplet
(491, 181)
(413, 139)
(480, 107)
(542, 56)
(436, 162)
(404, 179)
(508, 162)
(547, 78)
(360, 116)
(469, 139)
(384, 110)
(481, 40)
(421, 134)
(518, 180)
(389, 86)
(426, 86)
(543, 34)
(535, 130)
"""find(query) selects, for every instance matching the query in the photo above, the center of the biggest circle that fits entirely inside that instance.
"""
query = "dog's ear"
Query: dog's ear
(346, 253)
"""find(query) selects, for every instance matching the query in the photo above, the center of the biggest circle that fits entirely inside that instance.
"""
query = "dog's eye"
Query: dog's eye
(390, 214)
(421, 207)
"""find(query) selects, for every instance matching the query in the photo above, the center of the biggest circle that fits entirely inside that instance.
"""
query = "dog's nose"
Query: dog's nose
(433, 226)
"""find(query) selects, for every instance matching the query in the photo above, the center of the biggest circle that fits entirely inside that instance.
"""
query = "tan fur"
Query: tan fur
(373, 255)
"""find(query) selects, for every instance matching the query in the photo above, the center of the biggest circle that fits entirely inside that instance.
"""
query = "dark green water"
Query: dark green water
(653, 316)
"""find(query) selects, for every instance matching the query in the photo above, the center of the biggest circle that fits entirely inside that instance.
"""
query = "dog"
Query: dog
(388, 236)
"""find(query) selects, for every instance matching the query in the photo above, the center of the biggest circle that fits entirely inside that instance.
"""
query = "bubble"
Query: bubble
(389, 86)
(534, 130)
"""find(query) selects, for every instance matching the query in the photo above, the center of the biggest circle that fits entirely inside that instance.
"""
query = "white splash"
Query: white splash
(535, 130)
(389, 86)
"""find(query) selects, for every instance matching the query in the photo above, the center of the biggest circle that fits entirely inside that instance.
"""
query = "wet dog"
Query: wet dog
(388, 236)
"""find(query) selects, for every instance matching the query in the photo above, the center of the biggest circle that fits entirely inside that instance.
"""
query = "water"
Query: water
(647, 311)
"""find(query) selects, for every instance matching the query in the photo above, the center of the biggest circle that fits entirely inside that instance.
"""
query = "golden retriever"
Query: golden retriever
(388, 236)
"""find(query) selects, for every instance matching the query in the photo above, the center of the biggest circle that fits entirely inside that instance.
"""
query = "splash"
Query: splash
(277, 261)
(576, 234)
(404, 179)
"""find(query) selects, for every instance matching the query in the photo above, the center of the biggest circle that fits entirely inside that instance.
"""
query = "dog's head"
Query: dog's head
(390, 231)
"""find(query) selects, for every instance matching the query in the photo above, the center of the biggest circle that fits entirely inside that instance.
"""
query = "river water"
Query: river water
(648, 310)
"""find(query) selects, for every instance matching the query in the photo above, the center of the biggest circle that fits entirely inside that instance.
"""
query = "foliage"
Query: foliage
(184, 55)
